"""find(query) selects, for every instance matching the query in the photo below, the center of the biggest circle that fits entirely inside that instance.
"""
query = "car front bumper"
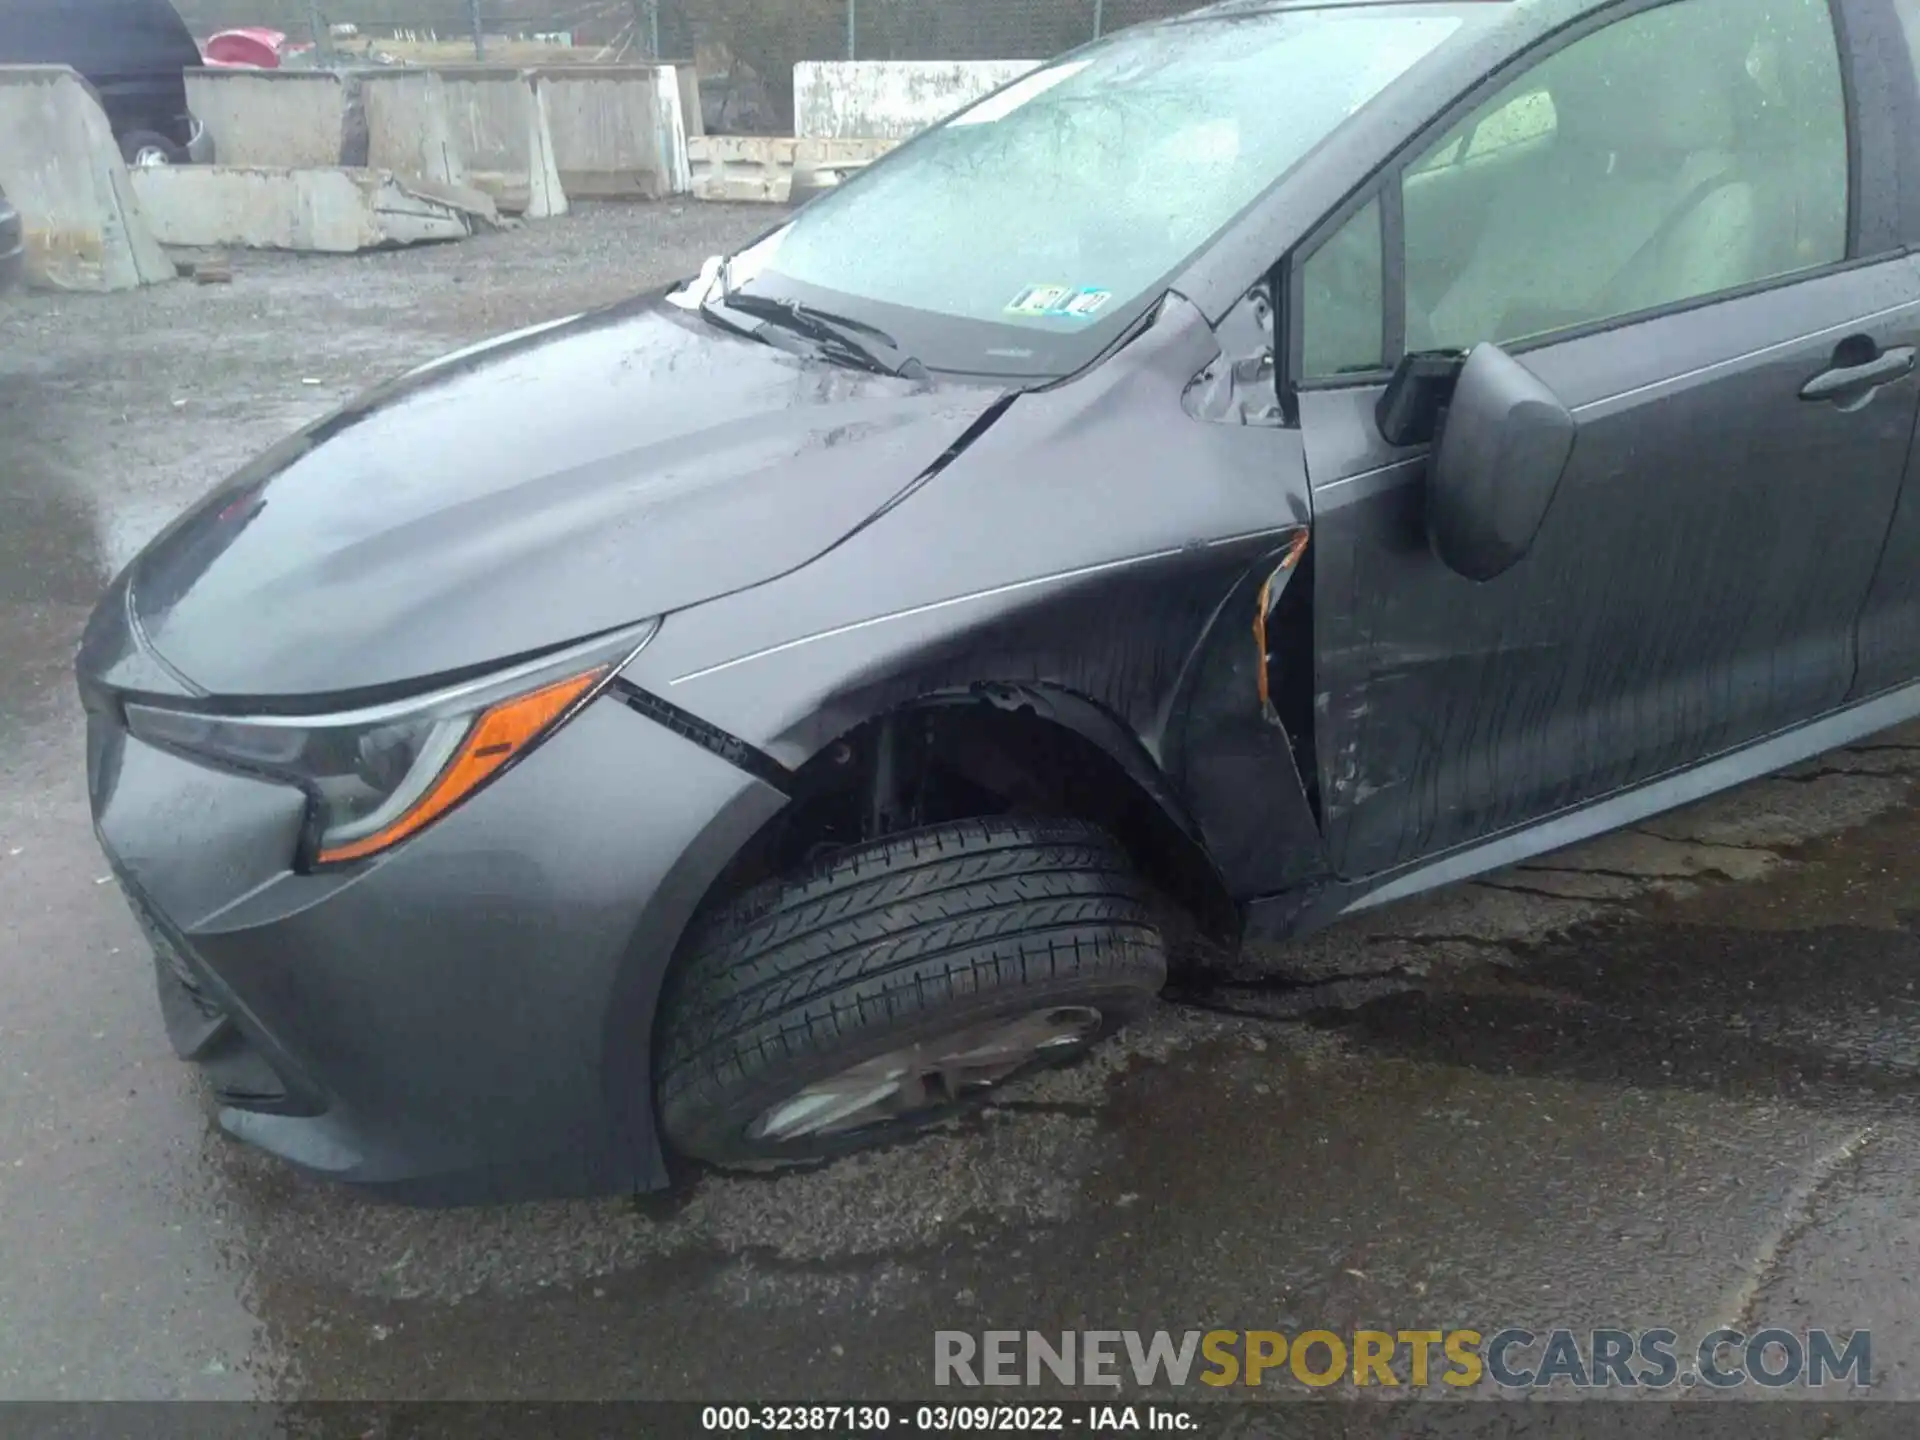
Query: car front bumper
(466, 1018)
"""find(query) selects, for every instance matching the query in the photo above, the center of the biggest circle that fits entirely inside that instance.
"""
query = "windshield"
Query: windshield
(1018, 237)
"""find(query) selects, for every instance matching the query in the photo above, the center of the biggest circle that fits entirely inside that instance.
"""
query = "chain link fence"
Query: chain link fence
(906, 29)
(743, 46)
(758, 42)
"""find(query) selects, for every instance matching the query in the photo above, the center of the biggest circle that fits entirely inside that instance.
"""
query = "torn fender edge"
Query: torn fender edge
(1205, 888)
(962, 442)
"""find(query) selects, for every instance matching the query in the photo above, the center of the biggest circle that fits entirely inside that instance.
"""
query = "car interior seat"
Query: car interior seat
(1644, 198)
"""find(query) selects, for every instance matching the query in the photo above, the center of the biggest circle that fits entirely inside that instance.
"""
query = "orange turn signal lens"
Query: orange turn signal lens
(501, 733)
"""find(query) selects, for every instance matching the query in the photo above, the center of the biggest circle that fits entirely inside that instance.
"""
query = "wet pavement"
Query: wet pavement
(1665, 1079)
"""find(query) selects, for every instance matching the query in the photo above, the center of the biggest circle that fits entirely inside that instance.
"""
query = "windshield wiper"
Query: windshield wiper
(838, 333)
(768, 308)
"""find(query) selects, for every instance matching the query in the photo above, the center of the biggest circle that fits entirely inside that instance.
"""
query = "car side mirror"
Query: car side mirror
(1504, 444)
(1415, 400)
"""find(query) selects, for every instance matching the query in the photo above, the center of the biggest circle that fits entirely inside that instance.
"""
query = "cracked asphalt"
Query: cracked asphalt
(1667, 1078)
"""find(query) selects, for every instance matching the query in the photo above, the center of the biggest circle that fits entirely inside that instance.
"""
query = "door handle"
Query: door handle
(1857, 382)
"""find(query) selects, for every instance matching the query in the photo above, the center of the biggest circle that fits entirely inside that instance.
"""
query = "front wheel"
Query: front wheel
(894, 984)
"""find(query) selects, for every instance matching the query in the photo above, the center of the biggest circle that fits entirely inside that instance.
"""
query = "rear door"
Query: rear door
(1890, 621)
(1703, 261)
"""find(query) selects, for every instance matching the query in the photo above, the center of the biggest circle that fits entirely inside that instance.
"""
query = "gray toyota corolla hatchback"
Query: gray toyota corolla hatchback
(1254, 468)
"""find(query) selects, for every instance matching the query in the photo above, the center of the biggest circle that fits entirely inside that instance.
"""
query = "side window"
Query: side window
(1526, 118)
(1676, 154)
(1343, 301)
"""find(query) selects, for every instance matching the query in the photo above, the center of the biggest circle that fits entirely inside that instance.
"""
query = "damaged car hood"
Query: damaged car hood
(559, 483)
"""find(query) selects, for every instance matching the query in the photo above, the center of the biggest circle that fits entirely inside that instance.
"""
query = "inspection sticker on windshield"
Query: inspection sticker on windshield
(1060, 301)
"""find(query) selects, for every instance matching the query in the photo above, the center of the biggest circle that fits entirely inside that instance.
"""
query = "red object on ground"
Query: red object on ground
(250, 48)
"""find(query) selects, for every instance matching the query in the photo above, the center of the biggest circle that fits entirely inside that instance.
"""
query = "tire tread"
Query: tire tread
(881, 936)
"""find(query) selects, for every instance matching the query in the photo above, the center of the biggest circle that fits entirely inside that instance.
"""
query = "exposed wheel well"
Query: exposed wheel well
(981, 753)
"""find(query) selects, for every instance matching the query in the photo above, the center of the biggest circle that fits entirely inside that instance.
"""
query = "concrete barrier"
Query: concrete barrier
(333, 211)
(693, 113)
(742, 167)
(774, 168)
(409, 126)
(822, 164)
(271, 117)
(528, 139)
(496, 121)
(618, 130)
(889, 99)
(62, 170)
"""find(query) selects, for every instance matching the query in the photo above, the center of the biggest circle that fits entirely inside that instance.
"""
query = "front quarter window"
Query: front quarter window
(1343, 301)
(1010, 239)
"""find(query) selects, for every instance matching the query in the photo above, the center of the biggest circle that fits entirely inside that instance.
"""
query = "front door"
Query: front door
(1666, 230)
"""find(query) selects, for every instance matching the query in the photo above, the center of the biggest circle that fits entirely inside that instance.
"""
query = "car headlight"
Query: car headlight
(376, 776)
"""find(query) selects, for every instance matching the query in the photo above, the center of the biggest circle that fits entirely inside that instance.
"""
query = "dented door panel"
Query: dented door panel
(1889, 652)
(1695, 585)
